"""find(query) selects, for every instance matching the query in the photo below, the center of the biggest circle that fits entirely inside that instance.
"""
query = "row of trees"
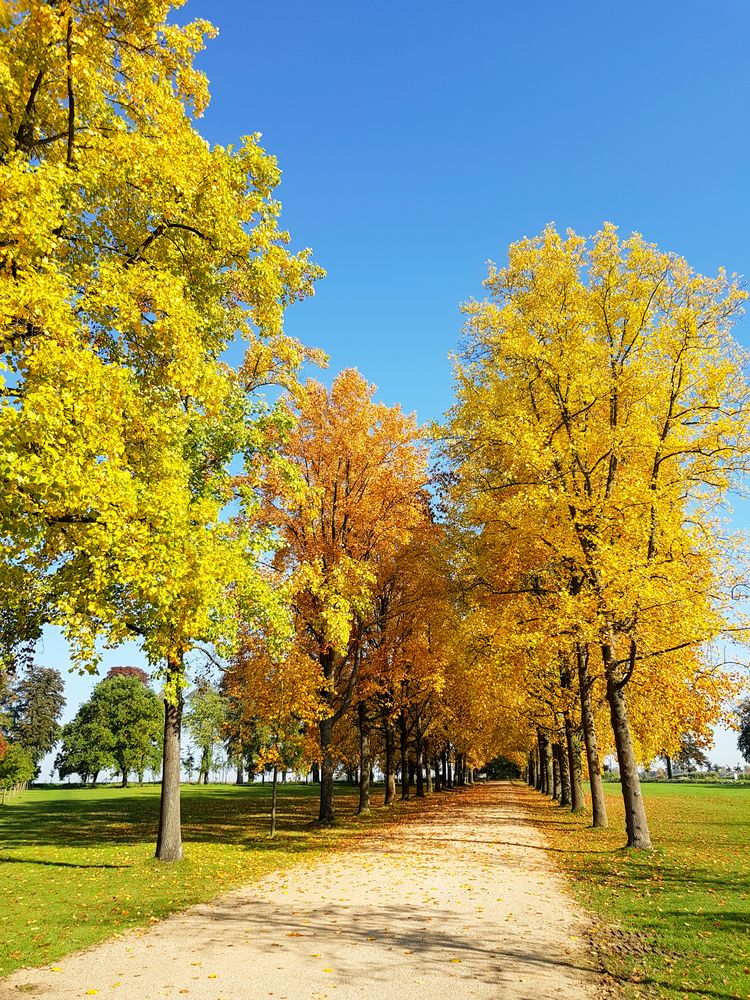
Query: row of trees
(600, 430)
(574, 565)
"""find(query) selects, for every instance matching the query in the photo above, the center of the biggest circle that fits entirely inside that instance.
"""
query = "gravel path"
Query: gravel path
(458, 902)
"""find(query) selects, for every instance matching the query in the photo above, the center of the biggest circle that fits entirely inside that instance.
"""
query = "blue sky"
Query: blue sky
(417, 140)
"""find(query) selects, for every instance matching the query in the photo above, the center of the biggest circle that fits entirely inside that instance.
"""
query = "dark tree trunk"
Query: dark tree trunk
(598, 805)
(538, 779)
(531, 774)
(427, 766)
(240, 780)
(418, 744)
(668, 760)
(573, 748)
(555, 750)
(273, 801)
(205, 776)
(404, 740)
(169, 839)
(636, 823)
(565, 789)
(364, 759)
(316, 773)
(390, 754)
(545, 754)
(124, 782)
(326, 814)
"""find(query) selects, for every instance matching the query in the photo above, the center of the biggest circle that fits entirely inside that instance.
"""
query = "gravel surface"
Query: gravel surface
(459, 900)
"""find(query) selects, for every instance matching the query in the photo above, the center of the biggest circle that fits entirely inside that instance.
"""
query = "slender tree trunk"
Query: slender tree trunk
(555, 751)
(419, 774)
(273, 801)
(565, 789)
(390, 753)
(573, 748)
(326, 814)
(538, 779)
(530, 774)
(636, 822)
(124, 782)
(598, 804)
(668, 759)
(404, 755)
(316, 773)
(427, 766)
(169, 839)
(240, 780)
(364, 759)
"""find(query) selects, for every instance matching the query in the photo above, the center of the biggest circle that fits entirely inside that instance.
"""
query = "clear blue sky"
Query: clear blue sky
(417, 140)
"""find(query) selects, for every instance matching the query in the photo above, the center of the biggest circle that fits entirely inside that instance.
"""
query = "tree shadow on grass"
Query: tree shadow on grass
(54, 864)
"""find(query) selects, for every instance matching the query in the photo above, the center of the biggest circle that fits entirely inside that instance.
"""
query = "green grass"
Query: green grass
(77, 865)
(673, 922)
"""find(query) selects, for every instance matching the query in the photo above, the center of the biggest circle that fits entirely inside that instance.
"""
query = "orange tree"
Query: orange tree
(348, 492)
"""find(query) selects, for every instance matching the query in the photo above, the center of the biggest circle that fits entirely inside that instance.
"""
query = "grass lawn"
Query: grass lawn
(673, 922)
(78, 866)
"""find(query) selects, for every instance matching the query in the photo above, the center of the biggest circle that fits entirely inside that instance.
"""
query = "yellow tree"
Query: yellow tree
(131, 254)
(348, 493)
(602, 417)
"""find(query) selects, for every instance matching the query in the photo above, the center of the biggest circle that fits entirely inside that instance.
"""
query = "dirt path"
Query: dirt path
(458, 902)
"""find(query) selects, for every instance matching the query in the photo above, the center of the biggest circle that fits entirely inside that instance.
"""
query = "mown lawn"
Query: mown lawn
(674, 922)
(77, 866)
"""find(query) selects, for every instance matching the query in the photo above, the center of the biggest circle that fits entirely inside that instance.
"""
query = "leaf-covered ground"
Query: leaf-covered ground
(77, 865)
(673, 922)
(460, 902)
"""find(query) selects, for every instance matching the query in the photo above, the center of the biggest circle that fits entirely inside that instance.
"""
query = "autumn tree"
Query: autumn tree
(600, 425)
(348, 492)
(133, 253)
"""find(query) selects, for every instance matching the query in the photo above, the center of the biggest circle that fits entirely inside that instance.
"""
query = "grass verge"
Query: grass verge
(77, 866)
(673, 922)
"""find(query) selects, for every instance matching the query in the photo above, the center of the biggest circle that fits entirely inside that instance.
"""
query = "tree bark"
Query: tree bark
(273, 801)
(573, 748)
(668, 760)
(316, 773)
(364, 759)
(169, 839)
(555, 751)
(427, 766)
(636, 823)
(404, 740)
(326, 813)
(565, 789)
(240, 780)
(598, 805)
(390, 753)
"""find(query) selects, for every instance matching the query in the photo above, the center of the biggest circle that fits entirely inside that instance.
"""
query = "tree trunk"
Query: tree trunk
(598, 805)
(531, 774)
(555, 751)
(390, 753)
(240, 774)
(403, 733)
(205, 776)
(565, 789)
(573, 748)
(364, 759)
(427, 767)
(124, 782)
(316, 773)
(326, 814)
(169, 839)
(668, 760)
(636, 823)
(273, 802)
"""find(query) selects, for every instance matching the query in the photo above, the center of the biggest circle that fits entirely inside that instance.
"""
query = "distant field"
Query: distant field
(77, 865)
(683, 910)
